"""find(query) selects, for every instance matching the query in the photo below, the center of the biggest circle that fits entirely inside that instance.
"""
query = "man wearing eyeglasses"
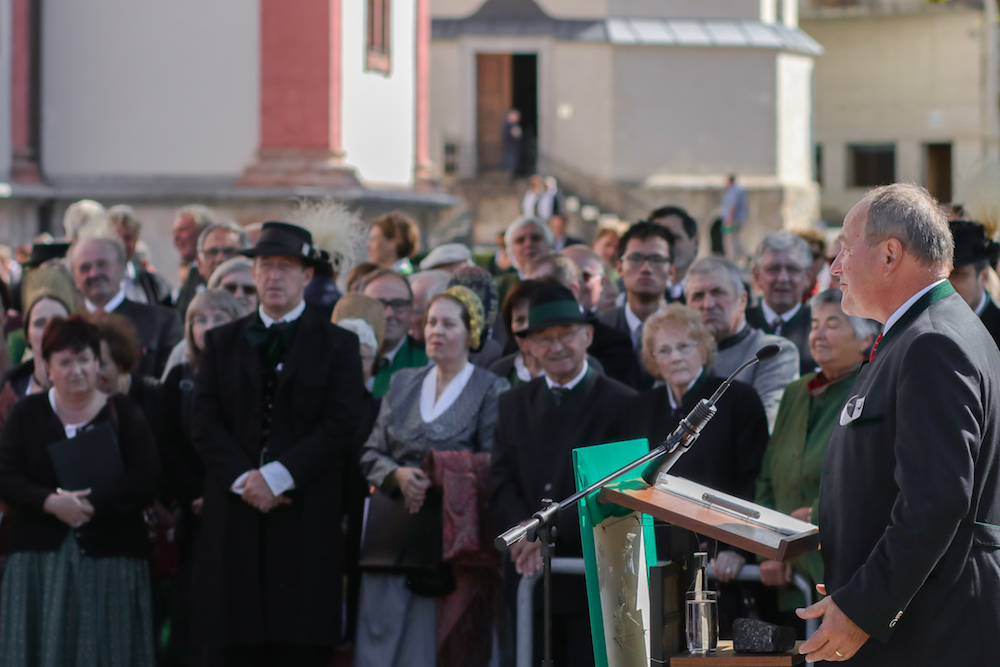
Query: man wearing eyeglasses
(539, 425)
(399, 349)
(781, 275)
(217, 243)
(645, 264)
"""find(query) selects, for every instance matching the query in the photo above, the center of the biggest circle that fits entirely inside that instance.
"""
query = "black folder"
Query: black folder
(91, 460)
(396, 541)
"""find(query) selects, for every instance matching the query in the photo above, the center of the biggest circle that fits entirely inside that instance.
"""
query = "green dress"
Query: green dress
(790, 475)
(63, 609)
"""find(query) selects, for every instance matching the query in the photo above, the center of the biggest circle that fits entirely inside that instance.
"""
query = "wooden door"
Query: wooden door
(938, 163)
(493, 100)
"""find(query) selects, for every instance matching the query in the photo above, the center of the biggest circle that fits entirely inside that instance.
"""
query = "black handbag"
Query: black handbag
(397, 542)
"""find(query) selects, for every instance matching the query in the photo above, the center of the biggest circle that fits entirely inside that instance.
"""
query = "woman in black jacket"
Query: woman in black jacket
(76, 588)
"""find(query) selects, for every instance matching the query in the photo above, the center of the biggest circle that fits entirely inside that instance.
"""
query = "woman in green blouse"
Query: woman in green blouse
(789, 477)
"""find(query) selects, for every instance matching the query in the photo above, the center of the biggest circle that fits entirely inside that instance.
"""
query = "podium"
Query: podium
(618, 517)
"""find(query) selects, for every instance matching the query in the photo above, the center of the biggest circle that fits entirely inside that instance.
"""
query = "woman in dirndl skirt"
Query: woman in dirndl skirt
(75, 592)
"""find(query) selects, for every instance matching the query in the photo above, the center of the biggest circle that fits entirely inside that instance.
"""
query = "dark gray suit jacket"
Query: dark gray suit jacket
(796, 330)
(910, 492)
(159, 329)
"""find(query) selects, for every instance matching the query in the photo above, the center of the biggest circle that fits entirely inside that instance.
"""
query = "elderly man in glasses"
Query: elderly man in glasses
(541, 422)
(216, 243)
(714, 287)
(645, 263)
(781, 275)
(399, 349)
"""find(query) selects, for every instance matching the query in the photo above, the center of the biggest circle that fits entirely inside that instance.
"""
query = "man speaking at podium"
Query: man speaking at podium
(910, 490)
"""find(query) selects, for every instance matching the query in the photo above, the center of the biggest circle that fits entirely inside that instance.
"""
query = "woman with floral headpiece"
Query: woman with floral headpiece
(434, 421)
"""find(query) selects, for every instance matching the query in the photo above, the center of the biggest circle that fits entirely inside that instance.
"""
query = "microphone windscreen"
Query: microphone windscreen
(768, 352)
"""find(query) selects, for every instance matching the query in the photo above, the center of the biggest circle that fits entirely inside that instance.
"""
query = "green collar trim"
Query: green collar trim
(936, 294)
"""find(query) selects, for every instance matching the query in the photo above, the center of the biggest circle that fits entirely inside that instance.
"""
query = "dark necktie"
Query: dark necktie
(777, 325)
(871, 356)
(276, 339)
(559, 394)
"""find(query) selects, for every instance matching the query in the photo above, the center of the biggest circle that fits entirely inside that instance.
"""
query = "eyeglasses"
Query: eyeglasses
(774, 270)
(683, 349)
(396, 304)
(564, 339)
(638, 259)
(236, 289)
(225, 251)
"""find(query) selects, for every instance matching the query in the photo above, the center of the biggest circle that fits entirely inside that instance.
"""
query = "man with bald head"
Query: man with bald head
(910, 508)
(99, 271)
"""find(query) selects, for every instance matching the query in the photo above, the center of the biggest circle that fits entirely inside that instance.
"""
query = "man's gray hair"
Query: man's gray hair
(85, 213)
(203, 216)
(783, 241)
(909, 213)
(515, 227)
(229, 227)
(125, 215)
(710, 264)
(863, 327)
(561, 269)
(429, 283)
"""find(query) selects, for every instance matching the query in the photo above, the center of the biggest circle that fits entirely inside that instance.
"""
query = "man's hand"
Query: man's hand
(803, 514)
(258, 493)
(527, 557)
(727, 566)
(773, 573)
(838, 638)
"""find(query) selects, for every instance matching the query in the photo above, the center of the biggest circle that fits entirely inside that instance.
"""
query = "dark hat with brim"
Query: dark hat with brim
(280, 239)
(971, 244)
(43, 252)
(553, 306)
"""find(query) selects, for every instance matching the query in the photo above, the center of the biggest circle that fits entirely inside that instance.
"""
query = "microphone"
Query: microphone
(690, 427)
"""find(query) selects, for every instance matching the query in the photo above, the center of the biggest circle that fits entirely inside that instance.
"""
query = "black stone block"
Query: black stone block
(750, 636)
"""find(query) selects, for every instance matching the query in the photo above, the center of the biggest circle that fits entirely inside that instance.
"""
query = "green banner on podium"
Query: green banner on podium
(618, 547)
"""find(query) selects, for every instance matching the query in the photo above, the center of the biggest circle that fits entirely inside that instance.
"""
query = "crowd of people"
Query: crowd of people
(310, 463)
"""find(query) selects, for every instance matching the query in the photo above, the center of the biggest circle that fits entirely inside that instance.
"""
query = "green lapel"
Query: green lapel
(923, 303)
(409, 356)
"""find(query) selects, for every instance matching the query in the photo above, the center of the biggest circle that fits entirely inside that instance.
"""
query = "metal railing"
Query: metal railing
(526, 588)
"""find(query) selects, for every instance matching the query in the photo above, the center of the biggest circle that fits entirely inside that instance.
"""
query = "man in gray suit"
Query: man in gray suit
(714, 287)
(910, 509)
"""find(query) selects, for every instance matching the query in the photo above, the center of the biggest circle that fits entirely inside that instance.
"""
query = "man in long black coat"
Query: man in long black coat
(277, 403)
(909, 499)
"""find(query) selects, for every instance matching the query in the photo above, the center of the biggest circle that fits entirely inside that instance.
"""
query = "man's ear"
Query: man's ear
(892, 255)
(589, 328)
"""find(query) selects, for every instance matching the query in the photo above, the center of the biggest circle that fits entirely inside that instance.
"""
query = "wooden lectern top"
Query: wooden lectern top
(725, 656)
(771, 535)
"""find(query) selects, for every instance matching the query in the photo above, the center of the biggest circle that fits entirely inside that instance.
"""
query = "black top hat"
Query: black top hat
(971, 244)
(553, 306)
(43, 252)
(280, 239)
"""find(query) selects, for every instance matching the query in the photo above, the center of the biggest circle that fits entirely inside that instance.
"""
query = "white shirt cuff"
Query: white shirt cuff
(277, 477)
(240, 485)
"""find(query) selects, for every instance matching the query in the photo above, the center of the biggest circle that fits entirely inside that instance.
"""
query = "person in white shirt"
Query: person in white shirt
(276, 408)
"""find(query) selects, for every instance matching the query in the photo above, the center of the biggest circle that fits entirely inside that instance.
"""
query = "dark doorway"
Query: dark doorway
(506, 81)
(525, 99)
(938, 167)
